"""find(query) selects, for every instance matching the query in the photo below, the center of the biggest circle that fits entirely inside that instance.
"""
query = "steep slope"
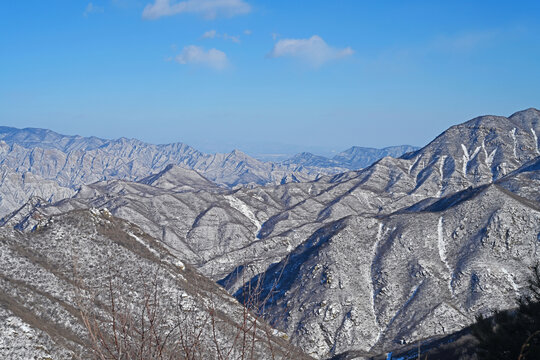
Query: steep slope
(178, 179)
(18, 187)
(524, 181)
(477, 152)
(86, 270)
(371, 283)
(439, 169)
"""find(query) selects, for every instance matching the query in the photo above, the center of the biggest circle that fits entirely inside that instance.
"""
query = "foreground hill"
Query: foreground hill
(67, 284)
(369, 283)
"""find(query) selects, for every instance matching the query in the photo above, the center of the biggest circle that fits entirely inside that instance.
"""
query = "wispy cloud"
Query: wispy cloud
(197, 55)
(248, 32)
(209, 9)
(92, 9)
(233, 38)
(314, 51)
(212, 34)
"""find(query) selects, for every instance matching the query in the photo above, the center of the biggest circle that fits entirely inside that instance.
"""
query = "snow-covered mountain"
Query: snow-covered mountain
(71, 161)
(360, 157)
(354, 158)
(363, 261)
(85, 281)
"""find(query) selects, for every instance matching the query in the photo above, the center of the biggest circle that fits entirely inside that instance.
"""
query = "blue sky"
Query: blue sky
(266, 76)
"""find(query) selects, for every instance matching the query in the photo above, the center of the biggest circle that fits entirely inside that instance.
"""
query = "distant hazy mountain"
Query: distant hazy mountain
(361, 157)
(71, 161)
(352, 159)
(75, 160)
(67, 162)
(406, 249)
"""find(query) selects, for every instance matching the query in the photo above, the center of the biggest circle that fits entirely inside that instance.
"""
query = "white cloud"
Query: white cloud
(196, 55)
(315, 51)
(210, 34)
(92, 9)
(247, 32)
(209, 9)
(233, 38)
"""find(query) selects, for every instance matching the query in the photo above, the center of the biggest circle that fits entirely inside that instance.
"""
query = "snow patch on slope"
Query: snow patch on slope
(144, 243)
(513, 133)
(442, 252)
(535, 141)
(373, 293)
(476, 151)
(490, 156)
(239, 205)
(413, 164)
(441, 171)
(465, 159)
(511, 280)
(468, 157)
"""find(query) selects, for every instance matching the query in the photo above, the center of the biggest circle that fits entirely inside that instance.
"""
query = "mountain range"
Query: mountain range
(338, 262)
(34, 156)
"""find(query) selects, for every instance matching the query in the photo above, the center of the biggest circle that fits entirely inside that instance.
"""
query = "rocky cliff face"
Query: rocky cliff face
(406, 249)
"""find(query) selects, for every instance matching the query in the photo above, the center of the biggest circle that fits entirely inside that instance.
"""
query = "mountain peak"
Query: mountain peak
(530, 110)
(178, 178)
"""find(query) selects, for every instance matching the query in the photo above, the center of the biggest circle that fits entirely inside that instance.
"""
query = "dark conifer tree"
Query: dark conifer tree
(512, 335)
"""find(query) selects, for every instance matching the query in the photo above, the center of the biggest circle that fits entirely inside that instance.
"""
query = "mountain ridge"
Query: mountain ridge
(72, 161)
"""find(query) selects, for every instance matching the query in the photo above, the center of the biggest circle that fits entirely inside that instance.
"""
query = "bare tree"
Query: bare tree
(144, 322)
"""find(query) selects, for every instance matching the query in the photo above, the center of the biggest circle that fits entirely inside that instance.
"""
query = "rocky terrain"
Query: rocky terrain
(28, 156)
(359, 262)
(67, 284)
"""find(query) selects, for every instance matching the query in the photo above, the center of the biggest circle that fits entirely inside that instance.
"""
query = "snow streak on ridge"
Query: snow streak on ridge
(442, 252)
(535, 141)
(513, 133)
(244, 210)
